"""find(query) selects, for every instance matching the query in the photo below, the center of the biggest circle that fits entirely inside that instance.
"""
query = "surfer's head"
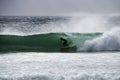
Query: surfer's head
(61, 38)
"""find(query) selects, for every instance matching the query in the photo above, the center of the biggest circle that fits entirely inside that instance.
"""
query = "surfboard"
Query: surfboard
(67, 44)
(70, 48)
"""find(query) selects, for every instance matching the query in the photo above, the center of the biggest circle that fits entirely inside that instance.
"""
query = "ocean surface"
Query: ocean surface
(31, 48)
(57, 66)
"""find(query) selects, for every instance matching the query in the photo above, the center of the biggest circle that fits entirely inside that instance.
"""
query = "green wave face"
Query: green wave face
(44, 42)
(79, 39)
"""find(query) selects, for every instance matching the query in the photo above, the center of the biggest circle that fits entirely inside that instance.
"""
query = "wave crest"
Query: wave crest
(109, 41)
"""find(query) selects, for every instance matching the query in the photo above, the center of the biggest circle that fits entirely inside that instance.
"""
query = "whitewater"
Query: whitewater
(24, 57)
(57, 66)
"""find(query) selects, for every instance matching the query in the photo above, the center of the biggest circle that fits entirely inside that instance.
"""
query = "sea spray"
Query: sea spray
(83, 27)
(109, 41)
(33, 65)
(39, 25)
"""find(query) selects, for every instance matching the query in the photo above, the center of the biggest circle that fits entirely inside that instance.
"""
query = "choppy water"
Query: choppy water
(24, 39)
(57, 66)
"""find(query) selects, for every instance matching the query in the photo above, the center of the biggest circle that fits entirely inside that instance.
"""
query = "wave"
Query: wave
(75, 42)
(42, 34)
(109, 41)
(71, 42)
(52, 42)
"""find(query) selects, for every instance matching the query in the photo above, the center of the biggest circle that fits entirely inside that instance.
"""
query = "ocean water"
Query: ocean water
(31, 48)
(57, 66)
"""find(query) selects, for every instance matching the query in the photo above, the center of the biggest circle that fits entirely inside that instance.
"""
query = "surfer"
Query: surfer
(64, 41)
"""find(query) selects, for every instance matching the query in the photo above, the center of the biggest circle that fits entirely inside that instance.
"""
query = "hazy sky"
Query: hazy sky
(58, 7)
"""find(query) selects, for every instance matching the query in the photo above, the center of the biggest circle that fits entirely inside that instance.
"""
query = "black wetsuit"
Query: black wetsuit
(64, 42)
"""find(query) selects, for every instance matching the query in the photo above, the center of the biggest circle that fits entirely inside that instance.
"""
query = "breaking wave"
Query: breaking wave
(93, 42)
(109, 41)
(85, 29)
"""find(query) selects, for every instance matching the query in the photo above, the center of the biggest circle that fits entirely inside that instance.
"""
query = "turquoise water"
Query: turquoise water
(44, 42)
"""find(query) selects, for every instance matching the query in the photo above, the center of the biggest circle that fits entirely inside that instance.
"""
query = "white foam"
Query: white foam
(109, 41)
(59, 66)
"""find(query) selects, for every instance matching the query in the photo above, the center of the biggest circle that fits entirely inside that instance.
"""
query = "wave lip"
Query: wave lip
(109, 41)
